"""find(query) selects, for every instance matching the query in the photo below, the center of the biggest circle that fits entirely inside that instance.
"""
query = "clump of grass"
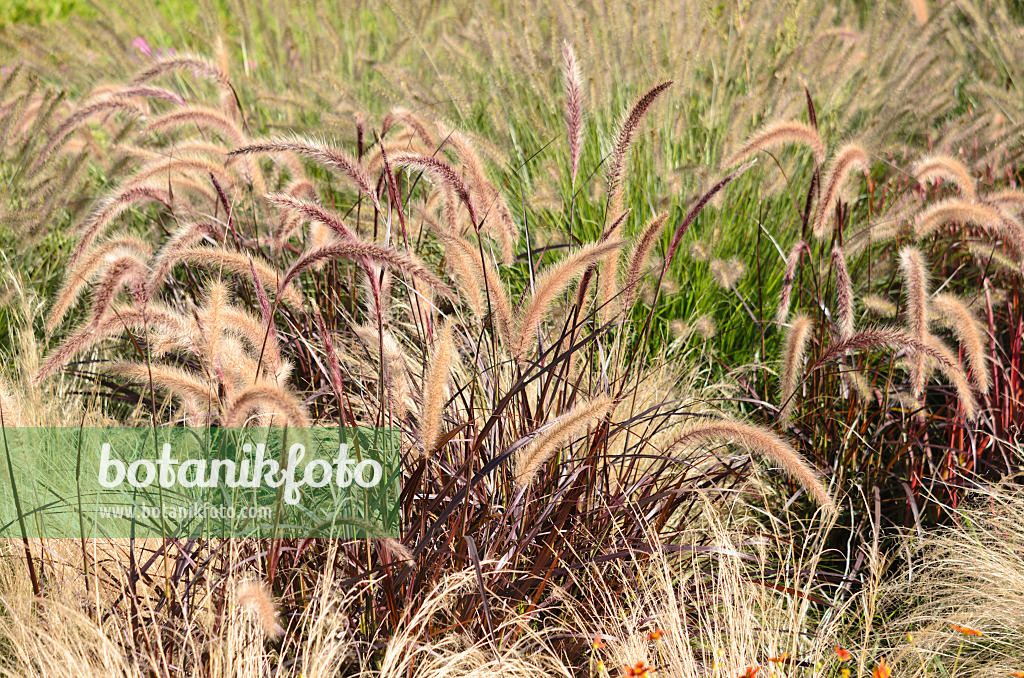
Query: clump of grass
(411, 295)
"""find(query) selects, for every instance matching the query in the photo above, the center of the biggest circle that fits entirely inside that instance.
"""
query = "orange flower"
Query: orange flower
(1017, 674)
(882, 670)
(598, 644)
(843, 654)
(751, 672)
(781, 658)
(639, 670)
(656, 634)
(966, 630)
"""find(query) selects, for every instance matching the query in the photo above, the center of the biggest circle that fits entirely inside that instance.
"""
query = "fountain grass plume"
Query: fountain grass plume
(793, 352)
(623, 140)
(556, 433)
(758, 441)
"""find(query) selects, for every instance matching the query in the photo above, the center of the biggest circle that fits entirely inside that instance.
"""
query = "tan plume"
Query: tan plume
(239, 264)
(271, 399)
(435, 388)
(573, 83)
(915, 277)
(759, 441)
(781, 133)
(98, 259)
(549, 285)
(253, 596)
(793, 352)
(624, 139)
(556, 433)
(319, 151)
(844, 294)
(949, 169)
(953, 313)
(792, 261)
(849, 158)
(638, 258)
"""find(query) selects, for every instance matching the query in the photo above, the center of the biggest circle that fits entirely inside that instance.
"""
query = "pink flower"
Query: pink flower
(140, 44)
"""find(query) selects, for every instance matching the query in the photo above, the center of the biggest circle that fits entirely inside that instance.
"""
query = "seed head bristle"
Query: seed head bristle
(435, 388)
(781, 133)
(97, 260)
(849, 158)
(240, 264)
(892, 338)
(844, 294)
(1012, 199)
(397, 550)
(549, 285)
(195, 64)
(110, 208)
(759, 441)
(573, 82)
(623, 140)
(272, 399)
(90, 334)
(319, 151)
(959, 210)
(502, 228)
(176, 380)
(920, 8)
(410, 120)
(550, 438)
(956, 375)
(637, 260)
(792, 261)
(479, 282)
(60, 135)
(184, 237)
(126, 271)
(200, 116)
(443, 172)
(793, 352)
(727, 272)
(950, 311)
(396, 259)
(915, 277)
(878, 306)
(949, 169)
(253, 596)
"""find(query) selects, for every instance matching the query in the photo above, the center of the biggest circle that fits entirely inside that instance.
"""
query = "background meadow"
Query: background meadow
(701, 323)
